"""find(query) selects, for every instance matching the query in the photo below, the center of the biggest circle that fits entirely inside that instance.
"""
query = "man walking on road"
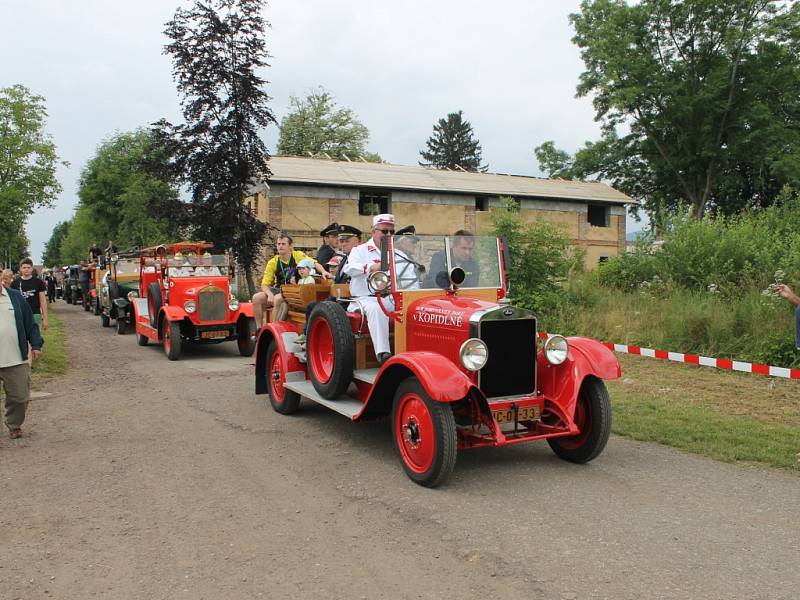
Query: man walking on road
(17, 330)
(33, 290)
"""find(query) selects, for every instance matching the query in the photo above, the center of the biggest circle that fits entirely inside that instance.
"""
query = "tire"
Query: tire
(593, 417)
(172, 339)
(142, 340)
(424, 434)
(331, 350)
(154, 302)
(105, 320)
(122, 326)
(97, 308)
(87, 303)
(283, 401)
(245, 332)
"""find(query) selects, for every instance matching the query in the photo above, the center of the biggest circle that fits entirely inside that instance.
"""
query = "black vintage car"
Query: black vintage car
(121, 279)
(72, 286)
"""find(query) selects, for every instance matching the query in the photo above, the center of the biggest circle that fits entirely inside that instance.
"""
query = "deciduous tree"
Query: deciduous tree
(453, 146)
(28, 162)
(315, 125)
(699, 100)
(217, 48)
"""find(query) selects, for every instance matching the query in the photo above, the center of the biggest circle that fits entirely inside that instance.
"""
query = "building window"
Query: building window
(598, 215)
(603, 259)
(481, 204)
(255, 205)
(371, 203)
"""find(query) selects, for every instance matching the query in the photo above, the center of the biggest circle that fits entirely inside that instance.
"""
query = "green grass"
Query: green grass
(732, 417)
(705, 431)
(54, 357)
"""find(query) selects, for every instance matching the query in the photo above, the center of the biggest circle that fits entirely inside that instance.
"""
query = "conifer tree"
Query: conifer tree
(453, 146)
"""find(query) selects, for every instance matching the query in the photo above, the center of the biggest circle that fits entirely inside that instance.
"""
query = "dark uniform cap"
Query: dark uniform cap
(330, 229)
(409, 230)
(348, 231)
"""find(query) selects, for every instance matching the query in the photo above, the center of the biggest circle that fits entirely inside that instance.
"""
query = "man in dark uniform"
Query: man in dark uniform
(330, 243)
(349, 238)
(407, 270)
(462, 244)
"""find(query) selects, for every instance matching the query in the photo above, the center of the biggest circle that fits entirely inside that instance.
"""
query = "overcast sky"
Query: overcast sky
(509, 65)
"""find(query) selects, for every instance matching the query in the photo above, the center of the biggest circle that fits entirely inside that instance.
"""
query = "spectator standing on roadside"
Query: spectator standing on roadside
(50, 283)
(18, 331)
(6, 278)
(33, 290)
(786, 292)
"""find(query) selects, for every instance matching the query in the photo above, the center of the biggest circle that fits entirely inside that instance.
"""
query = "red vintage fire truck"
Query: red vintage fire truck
(185, 296)
(468, 368)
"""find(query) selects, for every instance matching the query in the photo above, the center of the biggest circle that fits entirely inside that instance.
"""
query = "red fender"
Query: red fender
(246, 309)
(290, 363)
(93, 293)
(174, 313)
(442, 380)
(561, 383)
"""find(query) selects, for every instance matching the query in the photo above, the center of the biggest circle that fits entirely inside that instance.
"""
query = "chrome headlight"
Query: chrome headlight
(378, 282)
(473, 354)
(132, 295)
(233, 303)
(190, 306)
(556, 349)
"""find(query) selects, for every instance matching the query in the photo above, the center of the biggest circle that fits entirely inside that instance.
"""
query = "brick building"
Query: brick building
(305, 194)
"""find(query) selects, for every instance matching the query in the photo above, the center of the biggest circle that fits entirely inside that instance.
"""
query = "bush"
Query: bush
(541, 259)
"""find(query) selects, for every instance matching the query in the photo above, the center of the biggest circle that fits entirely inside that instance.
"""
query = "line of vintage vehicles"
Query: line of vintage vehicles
(468, 369)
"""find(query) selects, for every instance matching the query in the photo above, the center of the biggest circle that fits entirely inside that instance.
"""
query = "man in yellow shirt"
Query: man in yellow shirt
(280, 269)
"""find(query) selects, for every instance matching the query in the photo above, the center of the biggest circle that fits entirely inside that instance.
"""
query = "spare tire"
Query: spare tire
(331, 350)
(154, 302)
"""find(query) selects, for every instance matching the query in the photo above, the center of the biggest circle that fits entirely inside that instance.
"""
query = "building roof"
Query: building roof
(319, 171)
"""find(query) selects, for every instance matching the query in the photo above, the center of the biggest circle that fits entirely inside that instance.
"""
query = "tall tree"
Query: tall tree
(217, 48)
(708, 92)
(121, 186)
(316, 125)
(52, 248)
(28, 164)
(453, 146)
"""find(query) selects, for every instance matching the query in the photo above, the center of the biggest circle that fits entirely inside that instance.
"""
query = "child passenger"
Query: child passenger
(305, 269)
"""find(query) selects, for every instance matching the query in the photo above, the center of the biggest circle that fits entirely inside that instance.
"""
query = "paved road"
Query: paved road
(143, 478)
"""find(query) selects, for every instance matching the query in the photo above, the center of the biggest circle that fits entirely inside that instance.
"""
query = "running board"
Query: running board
(366, 375)
(345, 405)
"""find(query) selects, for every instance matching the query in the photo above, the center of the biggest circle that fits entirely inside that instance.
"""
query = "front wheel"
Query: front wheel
(593, 418)
(172, 339)
(105, 320)
(142, 339)
(121, 326)
(283, 401)
(246, 336)
(424, 434)
(97, 307)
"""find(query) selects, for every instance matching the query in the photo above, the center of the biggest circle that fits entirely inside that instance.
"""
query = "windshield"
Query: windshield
(424, 261)
(127, 266)
(209, 265)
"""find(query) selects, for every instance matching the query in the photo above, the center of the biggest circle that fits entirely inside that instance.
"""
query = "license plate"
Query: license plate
(213, 334)
(525, 413)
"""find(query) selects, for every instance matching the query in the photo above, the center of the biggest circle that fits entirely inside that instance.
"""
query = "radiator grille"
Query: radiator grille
(511, 368)
(212, 306)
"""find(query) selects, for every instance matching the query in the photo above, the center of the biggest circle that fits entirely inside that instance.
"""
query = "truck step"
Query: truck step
(344, 405)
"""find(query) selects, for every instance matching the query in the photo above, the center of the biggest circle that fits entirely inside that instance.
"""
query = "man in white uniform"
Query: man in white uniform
(362, 261)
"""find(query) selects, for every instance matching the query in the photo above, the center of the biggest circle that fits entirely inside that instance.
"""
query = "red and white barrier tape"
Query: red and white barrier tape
(696, 359)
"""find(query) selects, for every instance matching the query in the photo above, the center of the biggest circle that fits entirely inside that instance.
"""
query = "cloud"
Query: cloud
(510, 66)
